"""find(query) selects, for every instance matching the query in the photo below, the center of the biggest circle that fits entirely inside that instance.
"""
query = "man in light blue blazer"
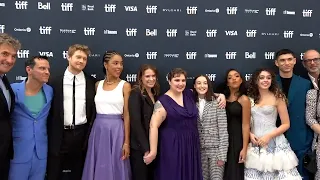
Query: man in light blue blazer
(295, 88)
(29, 122)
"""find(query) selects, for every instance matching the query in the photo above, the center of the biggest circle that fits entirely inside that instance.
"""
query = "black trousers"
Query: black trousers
(71, 157)
(4, 168)
(139, 170)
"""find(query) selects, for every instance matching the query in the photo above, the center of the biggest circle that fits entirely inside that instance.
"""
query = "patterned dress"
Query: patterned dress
(312, 110)
(275, 162)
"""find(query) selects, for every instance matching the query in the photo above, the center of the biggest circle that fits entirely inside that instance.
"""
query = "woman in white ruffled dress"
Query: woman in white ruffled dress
(269, 155)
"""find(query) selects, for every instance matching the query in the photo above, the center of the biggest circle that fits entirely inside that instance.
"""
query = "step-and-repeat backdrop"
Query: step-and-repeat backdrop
(206, 37)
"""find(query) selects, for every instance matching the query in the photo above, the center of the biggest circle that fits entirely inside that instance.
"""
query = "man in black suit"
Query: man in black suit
(8, 53)
(311, 61)
(72, 114)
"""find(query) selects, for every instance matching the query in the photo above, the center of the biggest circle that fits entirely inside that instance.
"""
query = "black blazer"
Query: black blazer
(55, 122)
(6, 141)
(140, 111)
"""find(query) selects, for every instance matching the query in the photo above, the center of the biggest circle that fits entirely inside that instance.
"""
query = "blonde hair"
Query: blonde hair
(78, 47)
(9, 40)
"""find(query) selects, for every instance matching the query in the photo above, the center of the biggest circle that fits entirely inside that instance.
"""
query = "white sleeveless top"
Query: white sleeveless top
(109, 102)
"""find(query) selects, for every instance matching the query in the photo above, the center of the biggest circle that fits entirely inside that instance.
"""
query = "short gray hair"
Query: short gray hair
(9, 40)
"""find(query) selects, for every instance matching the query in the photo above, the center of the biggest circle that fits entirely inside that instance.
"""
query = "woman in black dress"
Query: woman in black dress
(238, 116)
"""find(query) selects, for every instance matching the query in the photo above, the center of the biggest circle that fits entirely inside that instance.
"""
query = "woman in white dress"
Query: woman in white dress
(269, 154)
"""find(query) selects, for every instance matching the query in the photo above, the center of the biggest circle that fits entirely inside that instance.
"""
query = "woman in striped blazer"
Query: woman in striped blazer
(212, 126)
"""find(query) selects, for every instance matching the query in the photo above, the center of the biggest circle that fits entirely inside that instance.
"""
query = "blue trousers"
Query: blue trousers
(35, 169)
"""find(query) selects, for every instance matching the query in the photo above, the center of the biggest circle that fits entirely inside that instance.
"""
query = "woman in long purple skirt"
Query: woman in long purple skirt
(108, 146)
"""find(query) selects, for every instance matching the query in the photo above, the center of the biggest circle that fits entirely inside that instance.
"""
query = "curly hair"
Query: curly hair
(253, 89)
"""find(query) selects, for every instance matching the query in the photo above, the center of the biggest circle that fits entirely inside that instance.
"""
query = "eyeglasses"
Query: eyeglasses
(315, 60)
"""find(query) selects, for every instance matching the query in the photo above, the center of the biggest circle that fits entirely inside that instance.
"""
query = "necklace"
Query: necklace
(109, 83)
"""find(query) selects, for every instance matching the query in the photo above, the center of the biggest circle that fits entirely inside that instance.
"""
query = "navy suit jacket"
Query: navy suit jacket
(299, 134)
(29, 132)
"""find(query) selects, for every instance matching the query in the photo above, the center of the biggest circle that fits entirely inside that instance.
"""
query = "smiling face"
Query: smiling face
(8, 57)
(286, 63)
(201, 85)
(264, 80)
(114, 66)
(78, 61)
(178, 83)
(149, 78)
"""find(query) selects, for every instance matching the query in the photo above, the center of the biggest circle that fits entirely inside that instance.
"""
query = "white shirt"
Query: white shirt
(80, 98)
(314, 82)
(202, 102)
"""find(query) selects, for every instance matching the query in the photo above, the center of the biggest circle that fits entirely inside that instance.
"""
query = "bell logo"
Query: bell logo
(131, 8)
(66, 6)
(211, 32)
(48, 54)
(231, 33)
(151, 9)
(131, 32)
(307, 13)
(191, 55)
(23, 53)
(231, 55)
(232, 10)
(271, 11)
(151, 55)
(269, 55)
(251, 33)
(110, 8)
(21, 4)
(192, 10)
(288, 34)
(89, 31)
(2, 28)
(249, 55)
(45, 29)
(153, 32)
(131, 77)
(172, 32)
(65, 54)
(44, 6)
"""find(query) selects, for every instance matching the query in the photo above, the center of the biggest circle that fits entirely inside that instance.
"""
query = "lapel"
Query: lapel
(59, 96)
(88, 94)
(206, 108)
(147, 98)
(292, 89)
(4, 100)
(12, 96)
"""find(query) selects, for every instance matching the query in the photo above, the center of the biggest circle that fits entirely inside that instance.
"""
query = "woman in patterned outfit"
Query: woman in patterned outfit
(312, 114)
(212, 127)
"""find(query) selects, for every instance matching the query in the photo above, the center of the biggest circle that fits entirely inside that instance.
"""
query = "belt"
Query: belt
(71, 127)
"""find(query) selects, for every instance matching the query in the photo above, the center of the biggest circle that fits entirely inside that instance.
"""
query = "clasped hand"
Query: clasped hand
(263, 141)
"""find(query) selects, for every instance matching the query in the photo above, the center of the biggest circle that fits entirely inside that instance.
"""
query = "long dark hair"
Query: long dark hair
(242, 89)
(156, 89)
(209, 96)
(253, 90)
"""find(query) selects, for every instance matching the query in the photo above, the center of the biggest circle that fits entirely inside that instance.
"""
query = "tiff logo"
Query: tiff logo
(212, 77)
(2, 4)
(301, 56)
(48, 54)
(269, 55)
(151, 55)
(131, 77)
(232, 10)
(21, 4)
(23, 53)
(211, 32)
(110, 8)
(89, 31)
(44, 6)
(192, 9)
(251, 33)
(131, 8)
(153, 32)
(64, 54)
(191, 55)
(172, 32)
(288, 34)
(2, 28)
(249, 55)
(45, 29)
(151, 9)
(248, 77)
(307, 13)
(231, 55)
(271, 11)
(231, 33)
(131, 32)
(66, 6)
